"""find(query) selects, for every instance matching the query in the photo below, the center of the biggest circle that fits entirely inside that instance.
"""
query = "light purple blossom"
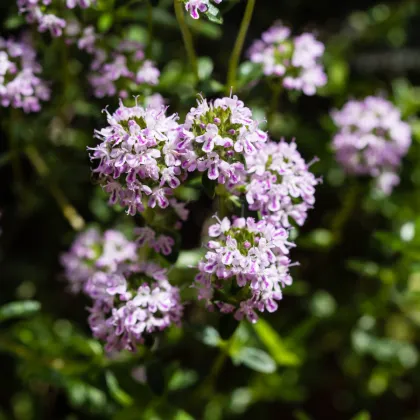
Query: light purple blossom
(112, 74)
(131, 298)
(20, 87)
(92, 252)
(44, 13)
(372, 140)
(123, 314)
(51, 23)
(88, 39)
(195, 7)
(249, 255)
(84, 4)
(296, 60)
(218, 137)
(160, 243)
(156, 101)
(279, 184)
(134, 167)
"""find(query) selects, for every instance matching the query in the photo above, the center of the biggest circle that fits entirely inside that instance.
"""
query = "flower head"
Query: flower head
(220, 135)
(371, 140)
(131, 298)
(245, 267)
(134, 167)
(43, 13)
(126, 64)
(92, 251)
(84, 4)
(293, 59)
(20, 87)
(195, 7)
(280, 185)
(123, 313)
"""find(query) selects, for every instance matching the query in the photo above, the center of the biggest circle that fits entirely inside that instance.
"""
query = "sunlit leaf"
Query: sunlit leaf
(19, 309)
(275, 344)
(256, 359)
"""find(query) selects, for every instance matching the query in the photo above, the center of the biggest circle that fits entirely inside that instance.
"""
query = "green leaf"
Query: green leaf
(301, 415)
(171, 74)
(256, 359)
(323, 304)
(338, 73)
(362, 415)
(14, 22)
(213, 14)
(212, 10)
(19, 309)
(182, 379)
(105, 22)
(204, 28)
(116, 392)
(247, 73)
(205, 67)
(211, 337)
(190, 258)
(275, 344)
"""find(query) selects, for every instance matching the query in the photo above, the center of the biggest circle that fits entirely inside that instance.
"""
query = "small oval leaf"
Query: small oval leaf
(257, 360)
(19, 309)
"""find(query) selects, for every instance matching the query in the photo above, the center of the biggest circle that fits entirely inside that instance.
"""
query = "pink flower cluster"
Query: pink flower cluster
(280, 185)
(20, 87)
(85, 39)
(160, 243)
(123, 314)
(112, 74)
(40, 12)
(145, 155)
(84, 4)
(194, 7)
(123, 69)
(220, 135)
(372, 140)
(250, 257)
(139, 158)
(92, 251)
(296, 60)
(131, 298)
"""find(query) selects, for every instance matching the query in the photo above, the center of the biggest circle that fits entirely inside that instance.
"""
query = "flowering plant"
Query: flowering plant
(200, 216)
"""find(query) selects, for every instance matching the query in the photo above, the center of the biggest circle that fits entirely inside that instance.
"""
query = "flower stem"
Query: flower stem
(70, 213)
(186, 35)
(274, 103)
(339, 221)
(222, 208)
(14, 148)
(239, 43)
(149, 29)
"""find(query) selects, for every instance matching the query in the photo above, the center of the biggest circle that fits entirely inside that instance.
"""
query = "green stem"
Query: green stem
(14, 148)
(274, 103)
(70, 213)
(149, 29)
(340, 219)
(187, 37)
(222, 195)
(239, 43)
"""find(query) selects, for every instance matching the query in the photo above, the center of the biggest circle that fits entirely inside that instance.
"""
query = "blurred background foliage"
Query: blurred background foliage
(344, 343)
